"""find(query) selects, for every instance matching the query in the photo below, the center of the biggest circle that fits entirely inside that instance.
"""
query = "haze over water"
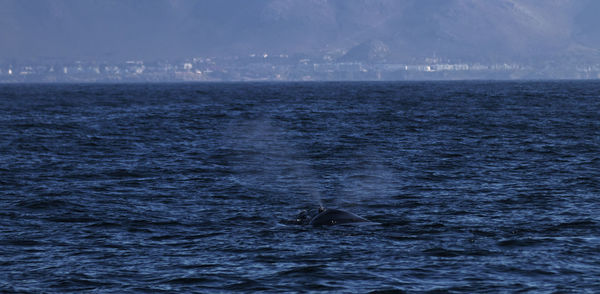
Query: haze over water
(478, 186)
(295, 40)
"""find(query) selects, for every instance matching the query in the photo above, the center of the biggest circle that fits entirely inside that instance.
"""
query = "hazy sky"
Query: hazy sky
(164, 29)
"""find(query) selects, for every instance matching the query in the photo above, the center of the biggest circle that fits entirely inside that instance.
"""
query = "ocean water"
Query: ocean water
(150, 188)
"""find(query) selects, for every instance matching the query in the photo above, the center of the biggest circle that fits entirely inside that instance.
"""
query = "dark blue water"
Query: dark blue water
(478, 187)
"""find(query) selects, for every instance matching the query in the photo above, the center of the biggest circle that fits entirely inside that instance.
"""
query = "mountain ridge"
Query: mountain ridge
(495, 30)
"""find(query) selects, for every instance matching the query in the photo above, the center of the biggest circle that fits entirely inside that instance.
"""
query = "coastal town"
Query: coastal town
(282, 67)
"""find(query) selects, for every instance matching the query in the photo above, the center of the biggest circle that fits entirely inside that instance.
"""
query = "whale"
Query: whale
(331, 216)
(328, 217)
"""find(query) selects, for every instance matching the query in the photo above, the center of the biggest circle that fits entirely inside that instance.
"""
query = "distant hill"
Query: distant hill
(367, 30)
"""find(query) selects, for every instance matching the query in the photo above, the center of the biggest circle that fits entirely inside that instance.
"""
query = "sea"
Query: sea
(470, 187)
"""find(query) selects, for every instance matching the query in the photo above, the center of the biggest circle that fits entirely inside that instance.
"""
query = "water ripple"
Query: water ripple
(477, 186)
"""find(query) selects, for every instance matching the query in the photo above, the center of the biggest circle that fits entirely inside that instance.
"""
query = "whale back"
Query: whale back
(336, 216)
